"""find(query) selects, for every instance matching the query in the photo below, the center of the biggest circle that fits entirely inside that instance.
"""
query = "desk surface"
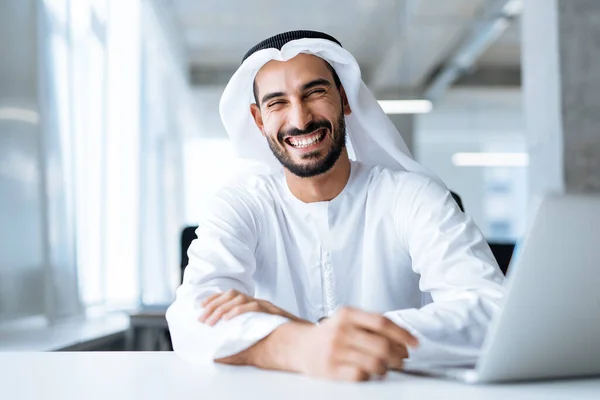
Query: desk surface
(161, 375)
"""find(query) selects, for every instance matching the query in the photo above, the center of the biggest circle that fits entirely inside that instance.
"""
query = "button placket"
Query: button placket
(328, 285)
(326, 266)
(319, 219)
(316, 289)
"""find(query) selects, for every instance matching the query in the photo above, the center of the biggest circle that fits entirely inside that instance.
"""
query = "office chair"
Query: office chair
(503, 253)
(458, 201)
(187, 237)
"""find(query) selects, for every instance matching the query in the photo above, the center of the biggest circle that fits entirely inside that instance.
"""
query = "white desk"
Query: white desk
(161, 375)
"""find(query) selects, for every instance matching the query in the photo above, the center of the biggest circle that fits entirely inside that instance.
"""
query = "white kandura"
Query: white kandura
(391, 242)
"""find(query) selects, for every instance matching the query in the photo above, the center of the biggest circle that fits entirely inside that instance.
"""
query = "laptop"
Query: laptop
(549, 325)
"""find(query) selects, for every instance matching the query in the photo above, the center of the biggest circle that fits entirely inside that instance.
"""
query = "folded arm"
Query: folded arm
(221, 259)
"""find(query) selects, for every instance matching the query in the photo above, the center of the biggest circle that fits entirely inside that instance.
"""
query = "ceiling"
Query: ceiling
(398, 43)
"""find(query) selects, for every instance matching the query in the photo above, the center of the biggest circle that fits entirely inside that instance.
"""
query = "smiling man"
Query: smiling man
(323, 265)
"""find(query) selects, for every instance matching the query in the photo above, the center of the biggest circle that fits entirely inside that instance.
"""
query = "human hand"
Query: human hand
(231, 303)
(352, 345)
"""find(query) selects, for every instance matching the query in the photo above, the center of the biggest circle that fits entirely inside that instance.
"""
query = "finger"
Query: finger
(210, 307)
(224, 308)
(402, 354)
(363, 361)
(379, 324)
(376, 346)
(351, 373)
(241, 309)
(209, 299)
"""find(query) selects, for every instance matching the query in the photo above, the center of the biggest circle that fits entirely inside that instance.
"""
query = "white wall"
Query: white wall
(477, 120)
(206, 99)
(209, 157)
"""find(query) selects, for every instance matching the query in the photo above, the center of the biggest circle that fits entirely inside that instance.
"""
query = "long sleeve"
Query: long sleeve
(458, 270)
(221, 258)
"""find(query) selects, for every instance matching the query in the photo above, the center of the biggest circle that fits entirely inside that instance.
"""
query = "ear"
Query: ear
(345, 104)
(256, 114)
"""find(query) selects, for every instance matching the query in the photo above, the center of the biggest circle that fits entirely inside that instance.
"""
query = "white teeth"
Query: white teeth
(301, 142)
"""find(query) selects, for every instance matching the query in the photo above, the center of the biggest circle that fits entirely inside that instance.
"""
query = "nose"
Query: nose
(299, 115)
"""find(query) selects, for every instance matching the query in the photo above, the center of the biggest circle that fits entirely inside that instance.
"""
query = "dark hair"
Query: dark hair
(336, 80)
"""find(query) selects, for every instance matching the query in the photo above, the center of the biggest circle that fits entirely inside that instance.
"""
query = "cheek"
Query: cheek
(272, 125)
(328, 109)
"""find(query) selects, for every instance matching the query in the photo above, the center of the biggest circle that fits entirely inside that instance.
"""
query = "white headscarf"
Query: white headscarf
(371, 135)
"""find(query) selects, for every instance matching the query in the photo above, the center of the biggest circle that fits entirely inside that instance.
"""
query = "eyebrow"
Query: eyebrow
(305, 87)
(316, 82)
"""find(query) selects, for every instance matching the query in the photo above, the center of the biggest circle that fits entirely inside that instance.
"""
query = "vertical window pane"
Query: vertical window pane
(89, 90)
(121, 220)
(100, 9)
(58, 10)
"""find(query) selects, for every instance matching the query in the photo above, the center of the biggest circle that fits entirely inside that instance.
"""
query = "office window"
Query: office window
(89, 114)
(95, 175)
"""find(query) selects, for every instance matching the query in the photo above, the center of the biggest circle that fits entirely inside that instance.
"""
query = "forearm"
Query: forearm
(277, 351)
(200, 343)
(448, 332)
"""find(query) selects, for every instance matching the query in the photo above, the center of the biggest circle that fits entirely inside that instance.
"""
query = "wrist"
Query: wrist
(283, 349)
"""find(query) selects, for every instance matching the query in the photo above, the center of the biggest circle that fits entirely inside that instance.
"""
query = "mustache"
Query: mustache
(310, 128)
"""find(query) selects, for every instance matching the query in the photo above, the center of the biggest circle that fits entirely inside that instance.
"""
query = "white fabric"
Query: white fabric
(391, 242)
(372, 136)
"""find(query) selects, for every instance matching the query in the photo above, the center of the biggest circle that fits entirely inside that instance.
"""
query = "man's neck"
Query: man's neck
(324, 187)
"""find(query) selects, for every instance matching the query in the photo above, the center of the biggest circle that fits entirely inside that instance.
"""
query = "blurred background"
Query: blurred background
(111, 140)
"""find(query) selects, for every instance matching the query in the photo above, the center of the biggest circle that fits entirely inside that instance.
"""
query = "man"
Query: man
(330, 267)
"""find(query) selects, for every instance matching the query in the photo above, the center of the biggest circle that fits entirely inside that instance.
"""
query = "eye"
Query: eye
(275, 103)
(316, 91)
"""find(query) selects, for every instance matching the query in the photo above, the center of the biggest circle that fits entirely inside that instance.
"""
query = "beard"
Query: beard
(320, 164)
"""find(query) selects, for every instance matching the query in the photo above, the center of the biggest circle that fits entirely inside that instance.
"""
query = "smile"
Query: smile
(306, 140)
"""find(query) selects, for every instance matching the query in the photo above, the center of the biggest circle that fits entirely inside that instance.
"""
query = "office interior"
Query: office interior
(111, 140)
